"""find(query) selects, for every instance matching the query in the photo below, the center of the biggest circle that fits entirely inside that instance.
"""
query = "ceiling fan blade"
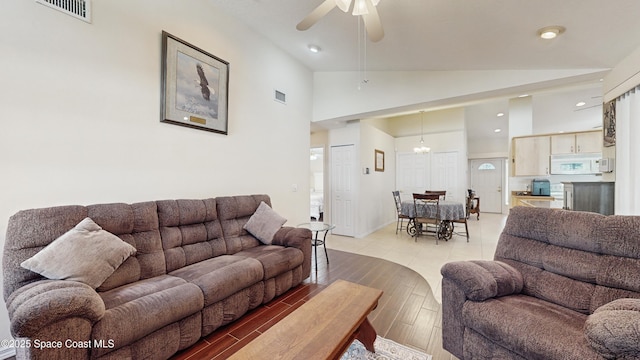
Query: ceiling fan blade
(316, 15)
(372, 23)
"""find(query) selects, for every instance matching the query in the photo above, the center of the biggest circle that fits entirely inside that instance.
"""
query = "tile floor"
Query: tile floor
(423, 255)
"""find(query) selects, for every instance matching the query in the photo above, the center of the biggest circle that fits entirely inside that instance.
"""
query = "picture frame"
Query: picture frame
(379, 160)
(195, 87)
(609, 123)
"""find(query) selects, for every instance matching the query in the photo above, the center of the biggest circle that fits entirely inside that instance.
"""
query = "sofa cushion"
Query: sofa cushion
(86, 253)
(530, 327)
(264, 223)
(233, 213)
(275, 259)
(222, 276)
(190, 231)
(138, 309)
(136, 224)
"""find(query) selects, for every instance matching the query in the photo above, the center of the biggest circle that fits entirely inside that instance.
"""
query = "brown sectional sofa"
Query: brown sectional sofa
(563, 285)
(195, 270)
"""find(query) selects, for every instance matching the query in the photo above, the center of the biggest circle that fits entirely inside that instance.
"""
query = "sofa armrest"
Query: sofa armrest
(292, 237)
(471, 280)
(299, 238)
(41, 303)
(613, 330)
(481, 280)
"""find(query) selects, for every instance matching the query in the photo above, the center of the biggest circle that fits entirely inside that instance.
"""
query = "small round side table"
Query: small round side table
(317, 227)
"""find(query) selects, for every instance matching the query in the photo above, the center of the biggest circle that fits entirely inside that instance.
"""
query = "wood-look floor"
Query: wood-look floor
(407, 312)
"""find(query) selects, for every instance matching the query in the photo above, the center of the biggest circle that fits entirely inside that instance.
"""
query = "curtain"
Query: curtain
(627, 166)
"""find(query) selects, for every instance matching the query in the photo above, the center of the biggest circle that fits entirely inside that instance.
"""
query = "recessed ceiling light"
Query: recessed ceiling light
(314, 48)
(500, 114)
(497, 130)
(581, 103)
(550, 32)
(523, 95)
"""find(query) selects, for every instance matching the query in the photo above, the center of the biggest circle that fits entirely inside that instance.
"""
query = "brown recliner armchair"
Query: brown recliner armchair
(563, 285)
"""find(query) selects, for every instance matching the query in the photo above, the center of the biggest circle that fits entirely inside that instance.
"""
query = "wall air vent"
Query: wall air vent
(80, 9)
(280, 97)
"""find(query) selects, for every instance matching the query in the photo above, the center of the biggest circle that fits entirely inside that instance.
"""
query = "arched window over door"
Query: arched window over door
(486, 166)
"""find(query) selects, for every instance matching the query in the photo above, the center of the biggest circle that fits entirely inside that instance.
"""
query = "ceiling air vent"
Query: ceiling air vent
(280, 97)
(80, 9)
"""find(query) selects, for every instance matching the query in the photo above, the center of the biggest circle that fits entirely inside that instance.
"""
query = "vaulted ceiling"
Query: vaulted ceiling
(453, 34)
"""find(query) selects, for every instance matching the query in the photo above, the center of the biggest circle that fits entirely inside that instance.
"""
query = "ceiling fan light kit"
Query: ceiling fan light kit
(360, 8)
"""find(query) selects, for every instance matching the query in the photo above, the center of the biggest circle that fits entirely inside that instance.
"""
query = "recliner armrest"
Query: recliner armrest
(482, 279)
(299, 238)
(290, 236)
(45, 302)
(613, 330)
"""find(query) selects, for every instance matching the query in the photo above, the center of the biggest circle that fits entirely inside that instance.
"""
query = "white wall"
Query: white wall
(486, 148)
(376, 206)
(80, 108)
(436, 121)
(623, 76)
(336, 94)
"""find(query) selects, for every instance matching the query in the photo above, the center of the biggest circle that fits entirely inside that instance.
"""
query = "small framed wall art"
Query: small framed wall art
(379, 158)
(195, 86)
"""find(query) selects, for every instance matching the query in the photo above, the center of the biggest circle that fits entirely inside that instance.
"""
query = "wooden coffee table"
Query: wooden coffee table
(322, 328)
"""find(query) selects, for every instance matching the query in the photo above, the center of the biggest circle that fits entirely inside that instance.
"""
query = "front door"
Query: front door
(487, 180)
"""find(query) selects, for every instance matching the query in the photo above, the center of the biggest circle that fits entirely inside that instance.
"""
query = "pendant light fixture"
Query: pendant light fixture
(421, 149)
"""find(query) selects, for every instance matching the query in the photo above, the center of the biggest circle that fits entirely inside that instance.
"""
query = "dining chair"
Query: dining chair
(462, 221)
(401, 217)
(427, 213)
(441, 193)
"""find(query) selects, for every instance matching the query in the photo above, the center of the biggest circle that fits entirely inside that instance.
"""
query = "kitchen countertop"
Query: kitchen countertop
(523, 198)
(534, 197)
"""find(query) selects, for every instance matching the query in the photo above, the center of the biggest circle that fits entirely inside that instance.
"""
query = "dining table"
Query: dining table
(449, 211)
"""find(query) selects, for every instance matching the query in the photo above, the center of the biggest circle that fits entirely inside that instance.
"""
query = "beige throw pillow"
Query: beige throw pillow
(264, 223)
(86, 253)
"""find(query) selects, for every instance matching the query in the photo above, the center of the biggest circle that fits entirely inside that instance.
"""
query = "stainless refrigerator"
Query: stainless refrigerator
(595, 197)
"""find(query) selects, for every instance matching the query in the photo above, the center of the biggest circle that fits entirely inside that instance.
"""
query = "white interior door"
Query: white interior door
(343, 175)
(412, 174)
(487, 180)
(444, 175)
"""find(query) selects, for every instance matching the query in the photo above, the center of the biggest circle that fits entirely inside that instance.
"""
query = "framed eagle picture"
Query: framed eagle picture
(195, 86)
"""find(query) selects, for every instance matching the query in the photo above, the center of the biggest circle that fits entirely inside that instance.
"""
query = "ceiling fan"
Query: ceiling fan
(365, 8)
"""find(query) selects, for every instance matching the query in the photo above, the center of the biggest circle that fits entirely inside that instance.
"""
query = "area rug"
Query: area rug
(385, 350)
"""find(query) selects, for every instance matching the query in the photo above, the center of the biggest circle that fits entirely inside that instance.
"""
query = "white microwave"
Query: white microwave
(575, 164)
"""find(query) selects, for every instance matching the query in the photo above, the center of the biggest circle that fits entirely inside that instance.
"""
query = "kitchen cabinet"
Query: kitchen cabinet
(595, 197)
(576, 143)
(530, 155)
